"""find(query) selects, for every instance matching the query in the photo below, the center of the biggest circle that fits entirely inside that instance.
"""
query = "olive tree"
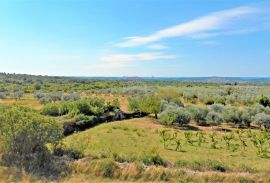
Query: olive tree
(263, 120)
(214, 118)
(150, 104)
(174, 115)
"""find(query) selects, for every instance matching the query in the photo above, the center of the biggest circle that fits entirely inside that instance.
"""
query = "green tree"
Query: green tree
(150, 104)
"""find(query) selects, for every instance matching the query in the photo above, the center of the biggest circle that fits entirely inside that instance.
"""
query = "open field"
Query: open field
(136, 137)
(83, 130)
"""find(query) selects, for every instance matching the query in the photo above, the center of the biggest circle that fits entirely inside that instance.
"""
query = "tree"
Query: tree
(263, 120)
(214, 118)
(198, 114)
(133, 104)
(174, 115)
(150, 104)
(25, 135)
(237, 116)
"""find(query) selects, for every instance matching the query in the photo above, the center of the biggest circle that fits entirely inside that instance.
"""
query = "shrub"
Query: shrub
(220, 101)
(183, 117)
(25, 135)
(217, 108)
(82, 121)
(55, 109)
(198, 114)
(265, 101)
(209, 101)
(263, 120)
(237, 116)
(153, 158)
(175, 115)
(214, 118)
(72, 97)
(168, 117)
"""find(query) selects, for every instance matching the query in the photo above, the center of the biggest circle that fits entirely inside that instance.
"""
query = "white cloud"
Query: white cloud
(157, 47)
(136, 57)
(203, 25)
(120, 61)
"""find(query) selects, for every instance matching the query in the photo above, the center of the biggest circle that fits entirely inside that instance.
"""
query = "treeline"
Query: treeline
(171, 111)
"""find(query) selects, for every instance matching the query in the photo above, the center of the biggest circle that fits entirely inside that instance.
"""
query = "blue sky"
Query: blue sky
(135, 37)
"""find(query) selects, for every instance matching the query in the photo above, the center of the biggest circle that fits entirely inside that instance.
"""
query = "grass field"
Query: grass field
(27, 100)
(133, 139)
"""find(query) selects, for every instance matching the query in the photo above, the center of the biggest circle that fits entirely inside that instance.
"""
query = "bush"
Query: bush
(265, 101)
(237, 116)
(153, 158)
(217, 108)
(209, 101)
(214, 118)
(25, 135)
(263, 120)
(82, 121)
(174, 115)
(199, 115)
(220, 101)
(72, 97)
(55, 109)
(183, 117)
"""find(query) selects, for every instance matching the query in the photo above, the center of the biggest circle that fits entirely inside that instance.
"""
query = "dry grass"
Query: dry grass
(27, 100)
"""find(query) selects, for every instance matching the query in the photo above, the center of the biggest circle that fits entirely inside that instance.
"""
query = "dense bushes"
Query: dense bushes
(172, 115)
(214, 118)
(198, 114)
(263, 120)
(25, 135)
(212, 115)
(237, 116)
(89, 106)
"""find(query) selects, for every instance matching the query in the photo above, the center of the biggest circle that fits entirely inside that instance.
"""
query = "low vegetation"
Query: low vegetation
(92, 130)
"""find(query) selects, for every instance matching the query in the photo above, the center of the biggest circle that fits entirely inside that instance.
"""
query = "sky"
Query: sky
(160, 38)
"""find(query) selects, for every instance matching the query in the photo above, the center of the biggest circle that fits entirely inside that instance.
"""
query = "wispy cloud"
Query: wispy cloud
(157, 47)
(206, 25)
(119, 61)
(136, 57)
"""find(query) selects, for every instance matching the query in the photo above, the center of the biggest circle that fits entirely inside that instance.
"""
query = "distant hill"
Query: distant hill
(212, 79)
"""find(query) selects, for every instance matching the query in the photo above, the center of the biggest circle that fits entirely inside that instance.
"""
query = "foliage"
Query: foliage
(153, 158)
(265, 101)
(214, 118)
(263, 120)
(174, 115)
(198, 114)
(25, 134)
(209, 101)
